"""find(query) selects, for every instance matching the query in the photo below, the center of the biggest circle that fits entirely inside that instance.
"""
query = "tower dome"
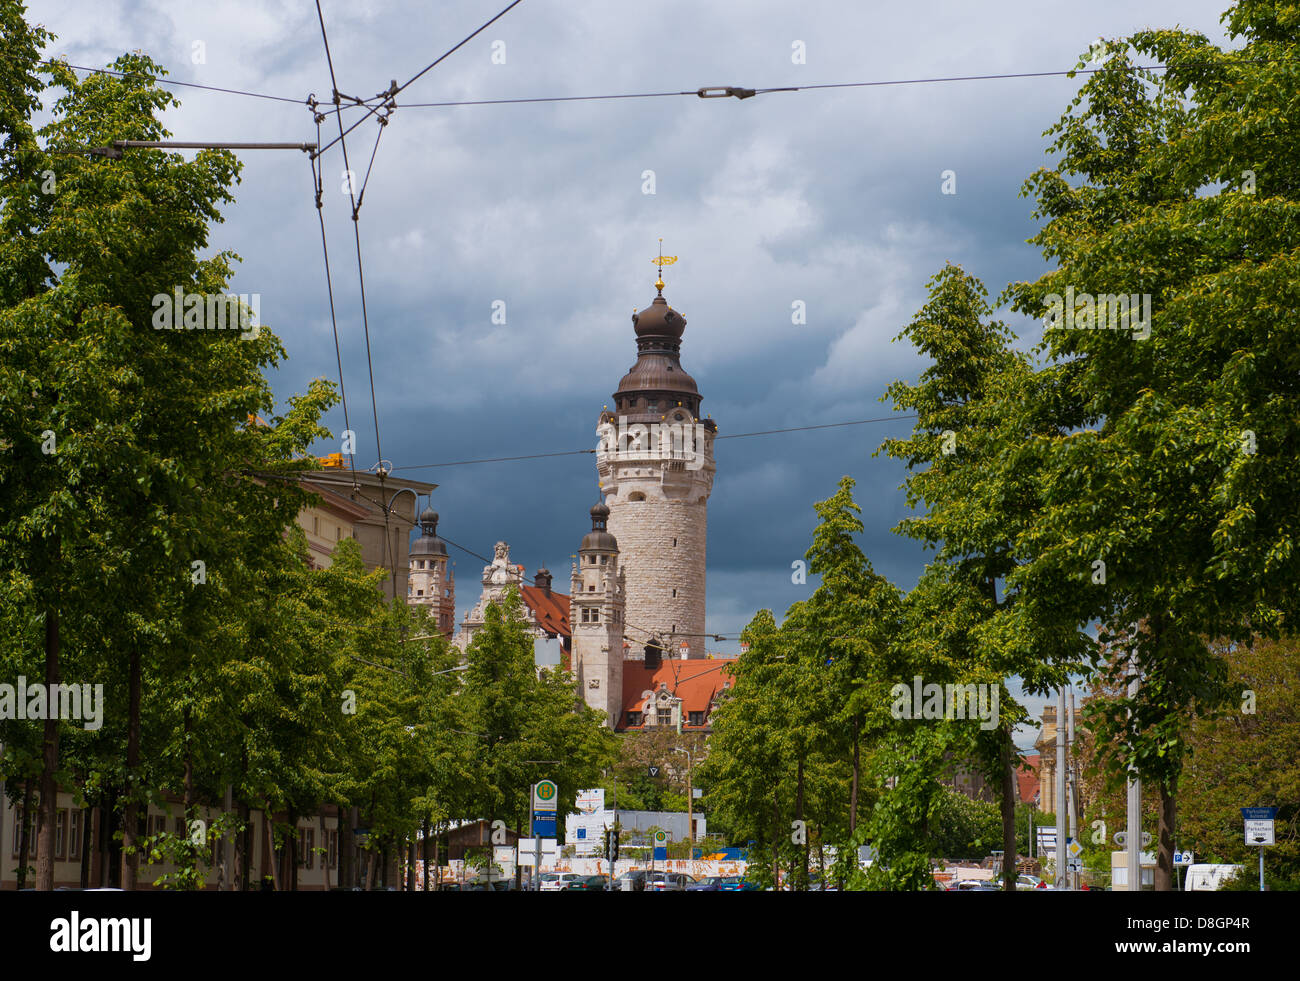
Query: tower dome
(598, 537)
(428, 543)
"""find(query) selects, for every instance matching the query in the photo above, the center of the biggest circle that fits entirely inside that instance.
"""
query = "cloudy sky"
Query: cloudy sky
(832, 197)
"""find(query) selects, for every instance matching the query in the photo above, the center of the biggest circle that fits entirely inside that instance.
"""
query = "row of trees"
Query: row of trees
(146, 485)
(1132, 478)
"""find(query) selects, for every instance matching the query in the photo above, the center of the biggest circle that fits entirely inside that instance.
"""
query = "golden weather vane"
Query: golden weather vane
(663, 260)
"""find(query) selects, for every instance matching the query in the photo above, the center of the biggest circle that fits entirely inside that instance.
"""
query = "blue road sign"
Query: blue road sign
(544, 824)
(1259, 813)
(582, 834)
(661, 854)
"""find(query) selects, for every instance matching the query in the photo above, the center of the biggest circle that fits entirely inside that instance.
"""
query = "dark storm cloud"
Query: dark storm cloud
(830, 197)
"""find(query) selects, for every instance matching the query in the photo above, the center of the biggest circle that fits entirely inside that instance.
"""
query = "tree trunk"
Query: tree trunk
(87, 820)
(1009, 811)
(243, 848)
(24, 836)
(798, 813)
(776, 840)
(1164, 874)
(853, 794)
(226, 877)
(48, 816)
(190, 809)
(131, 817)
(325, 841)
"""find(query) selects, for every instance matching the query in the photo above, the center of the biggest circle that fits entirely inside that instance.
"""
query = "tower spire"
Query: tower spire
(663, 260)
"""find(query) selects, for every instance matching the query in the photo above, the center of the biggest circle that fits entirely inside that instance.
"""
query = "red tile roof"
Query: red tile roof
(1027, 780)
(697, 682)
(552, 611)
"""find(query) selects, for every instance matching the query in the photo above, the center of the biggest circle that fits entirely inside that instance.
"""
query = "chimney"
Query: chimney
(543, 579)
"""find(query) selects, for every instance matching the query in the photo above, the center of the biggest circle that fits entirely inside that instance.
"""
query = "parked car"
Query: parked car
(633, 881)
(737, 883)
(586, 883)
(710, 883)
(555, 881)
(1025, 881)
(972, 885)
(668, 882)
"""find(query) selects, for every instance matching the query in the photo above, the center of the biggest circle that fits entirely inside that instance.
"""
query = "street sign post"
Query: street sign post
(545, 804)
(1259, 832)
(661, 846)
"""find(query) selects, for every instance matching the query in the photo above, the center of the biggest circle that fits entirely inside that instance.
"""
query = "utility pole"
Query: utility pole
(1133, 842)
(1060, 791)
(1074, 786)
(690, 802)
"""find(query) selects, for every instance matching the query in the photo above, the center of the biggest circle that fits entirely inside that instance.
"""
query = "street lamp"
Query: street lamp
(690, 801)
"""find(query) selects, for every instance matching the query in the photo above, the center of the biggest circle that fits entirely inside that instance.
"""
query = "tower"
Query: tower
(429, 583)
(655, 463)
(596, 601)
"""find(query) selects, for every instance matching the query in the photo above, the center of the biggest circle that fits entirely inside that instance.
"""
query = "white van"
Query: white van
(1208, 878)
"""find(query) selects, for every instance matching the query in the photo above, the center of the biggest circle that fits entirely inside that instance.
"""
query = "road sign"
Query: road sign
(661, 845)
(1074, 864)
(1184, 858)
(545, 796)
(1121, 838)
(529, 850)
(1074, 849)
(1259, 825)
(654, 770)
(546, 801)
(1259, 833)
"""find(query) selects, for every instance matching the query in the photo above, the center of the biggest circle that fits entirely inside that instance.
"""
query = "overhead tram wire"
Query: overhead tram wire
(384, 109)
(391, 94)
(762, 432)
(361, 278)
(739, 92)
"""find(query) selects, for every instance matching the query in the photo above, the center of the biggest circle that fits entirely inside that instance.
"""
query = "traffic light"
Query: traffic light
(611, 844)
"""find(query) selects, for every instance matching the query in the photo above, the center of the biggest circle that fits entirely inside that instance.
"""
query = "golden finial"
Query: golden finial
(663, 260)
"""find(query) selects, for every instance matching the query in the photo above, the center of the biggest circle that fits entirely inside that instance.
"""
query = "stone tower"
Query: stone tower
(596, 602)
(655, 463)
(429, 582)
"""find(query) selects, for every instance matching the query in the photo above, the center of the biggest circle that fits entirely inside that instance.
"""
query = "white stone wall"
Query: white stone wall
(662, 546)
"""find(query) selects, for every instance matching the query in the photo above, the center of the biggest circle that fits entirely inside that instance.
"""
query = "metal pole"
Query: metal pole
(1073, 792)
(1060, 790)
(1261, 868)
(1133, 844)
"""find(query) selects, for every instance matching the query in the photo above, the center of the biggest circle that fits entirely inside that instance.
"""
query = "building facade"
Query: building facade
(655, 466)
(430, 581)
(596, 619)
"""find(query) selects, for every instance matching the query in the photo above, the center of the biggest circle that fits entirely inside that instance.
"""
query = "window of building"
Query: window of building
(419, 592)
(697, 718)
(315, 526)
(338, 533)
(591, 589)
(595, 616)
(633, 719)
(603, 558)
(332, 849)
(60, 835)
(307, 848)
(585, 615)
(74, 835)
(664, 717)
(674, 594)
